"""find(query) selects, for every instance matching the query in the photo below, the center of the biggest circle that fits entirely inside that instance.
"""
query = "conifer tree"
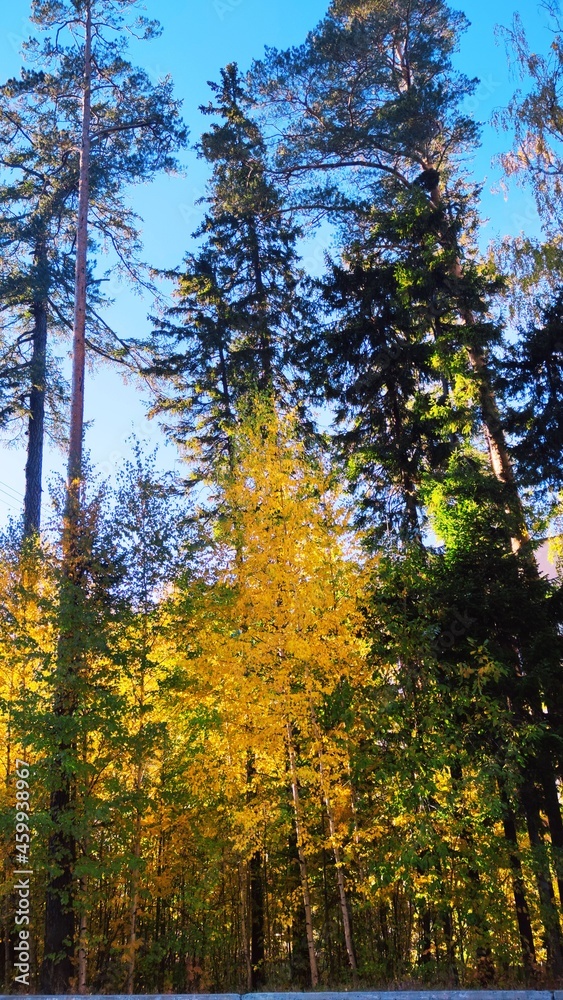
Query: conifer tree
(40, 125)
(112, 109)
(535, 163)
(373, 95)
(240, 297)
(397, 125)
(390, 353)
(35, 282)
(534, 114)
(532, 380)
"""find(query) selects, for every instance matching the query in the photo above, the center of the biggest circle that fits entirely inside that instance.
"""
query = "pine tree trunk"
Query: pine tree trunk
(81, 273)
(302, 860)
(36, 423)
(58, 963)
(501, 462)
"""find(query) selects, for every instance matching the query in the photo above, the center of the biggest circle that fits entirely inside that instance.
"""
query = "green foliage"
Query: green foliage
(371, 91)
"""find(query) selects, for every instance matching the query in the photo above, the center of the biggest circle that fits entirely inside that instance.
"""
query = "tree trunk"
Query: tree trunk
(407, 485)
(83, 943)
(518, 889)
(257, 950)
(501, 463)
(302, 860)
(265, 380)
(479, 922)
(426, 934)
(553, 812)
(339, 876)
(81, 272)
(36, 423)
(549, 915)
(134, 890)
(58, 966)
(246, 943)
(58, 963)
(447, 924)
(255, 897)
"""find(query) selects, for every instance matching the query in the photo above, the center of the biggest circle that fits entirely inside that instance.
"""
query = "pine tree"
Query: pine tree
(534, 162)
(107, 105)
(534, 115)
(397, 126)
(40, 127)
(36, 279)
(402, 126)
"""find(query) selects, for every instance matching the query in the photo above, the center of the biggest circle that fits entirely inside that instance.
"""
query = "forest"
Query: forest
(293, 718)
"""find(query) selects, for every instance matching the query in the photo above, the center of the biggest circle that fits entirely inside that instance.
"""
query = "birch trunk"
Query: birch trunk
(134, 891)
(341, 881)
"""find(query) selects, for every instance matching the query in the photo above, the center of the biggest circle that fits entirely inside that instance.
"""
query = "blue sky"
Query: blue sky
(199, 37)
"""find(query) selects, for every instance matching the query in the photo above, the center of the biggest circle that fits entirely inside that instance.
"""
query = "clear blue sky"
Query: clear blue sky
(199, 37)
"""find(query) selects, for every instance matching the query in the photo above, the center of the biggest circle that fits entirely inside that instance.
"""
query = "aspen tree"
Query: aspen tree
(293, 616)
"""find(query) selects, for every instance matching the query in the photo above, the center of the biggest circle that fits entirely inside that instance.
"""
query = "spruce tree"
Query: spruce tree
(390, 354)
(240, 296)
(532, 380)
